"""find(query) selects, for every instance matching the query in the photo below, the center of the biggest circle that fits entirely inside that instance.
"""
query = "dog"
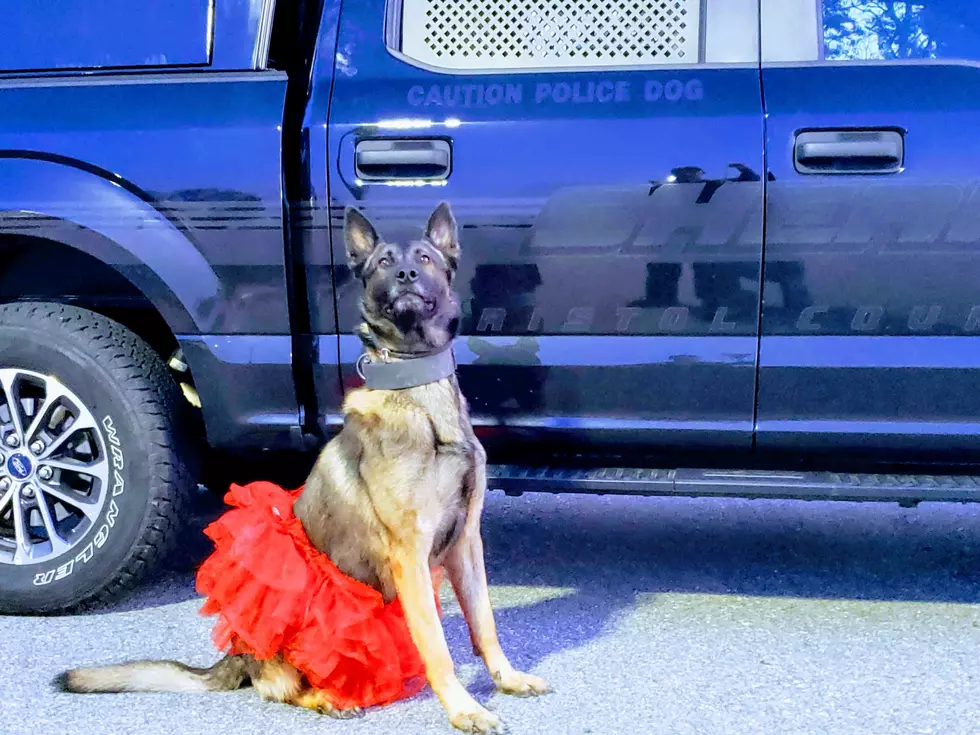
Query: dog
(397, 492)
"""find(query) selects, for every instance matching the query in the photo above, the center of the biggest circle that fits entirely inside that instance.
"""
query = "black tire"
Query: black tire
(126, 386)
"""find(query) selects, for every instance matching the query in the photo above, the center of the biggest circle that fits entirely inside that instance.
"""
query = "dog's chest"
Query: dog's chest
(453, 461)
(448, 515)
(452, 468)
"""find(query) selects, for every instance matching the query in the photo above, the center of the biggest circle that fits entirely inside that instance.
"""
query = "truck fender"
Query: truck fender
(99, 213)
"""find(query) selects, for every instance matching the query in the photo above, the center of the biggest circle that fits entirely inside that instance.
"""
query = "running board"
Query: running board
(905, 489)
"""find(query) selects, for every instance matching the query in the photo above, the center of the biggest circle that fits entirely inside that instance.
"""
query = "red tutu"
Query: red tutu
(274, 593)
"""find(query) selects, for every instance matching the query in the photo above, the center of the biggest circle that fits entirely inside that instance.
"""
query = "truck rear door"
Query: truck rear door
(871, 309)
(604, 161)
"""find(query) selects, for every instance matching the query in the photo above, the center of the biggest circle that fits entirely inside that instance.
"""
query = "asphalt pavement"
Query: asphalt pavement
(659, 616)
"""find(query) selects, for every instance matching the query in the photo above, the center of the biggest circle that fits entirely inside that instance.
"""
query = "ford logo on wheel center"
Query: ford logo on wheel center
(19, 466)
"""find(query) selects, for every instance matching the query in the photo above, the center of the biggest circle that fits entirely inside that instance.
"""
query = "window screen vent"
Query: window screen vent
(514, 34)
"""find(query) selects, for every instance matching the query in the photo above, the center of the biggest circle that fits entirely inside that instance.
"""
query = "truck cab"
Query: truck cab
(710, 247)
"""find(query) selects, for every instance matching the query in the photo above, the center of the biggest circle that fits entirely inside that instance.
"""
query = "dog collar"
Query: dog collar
(409, 371)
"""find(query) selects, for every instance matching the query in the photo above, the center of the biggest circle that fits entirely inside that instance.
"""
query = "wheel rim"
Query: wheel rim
(54, 472)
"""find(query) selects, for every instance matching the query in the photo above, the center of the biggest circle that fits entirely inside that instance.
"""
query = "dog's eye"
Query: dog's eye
(384, 262)
(425, 258)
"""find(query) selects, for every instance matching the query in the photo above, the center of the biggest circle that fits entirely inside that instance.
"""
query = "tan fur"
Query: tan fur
(407, 476)
(158, 676)
(138, 676)
(397, 492)
(319, 701)
(277, 680)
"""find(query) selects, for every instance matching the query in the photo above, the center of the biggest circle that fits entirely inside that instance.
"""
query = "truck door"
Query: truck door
(871, 309)
(604, 162)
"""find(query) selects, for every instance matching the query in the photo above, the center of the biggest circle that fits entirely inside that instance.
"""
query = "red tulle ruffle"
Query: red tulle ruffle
(274, 593)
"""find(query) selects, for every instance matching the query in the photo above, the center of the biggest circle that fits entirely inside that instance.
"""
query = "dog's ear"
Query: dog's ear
(360, 239)
(442, 233)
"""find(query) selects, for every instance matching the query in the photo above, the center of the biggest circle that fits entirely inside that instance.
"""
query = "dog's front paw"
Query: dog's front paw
(520, 684)
(478, 720)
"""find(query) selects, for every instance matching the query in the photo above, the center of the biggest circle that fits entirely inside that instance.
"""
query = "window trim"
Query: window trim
(263, 34)
(702, 32)
(821, 42)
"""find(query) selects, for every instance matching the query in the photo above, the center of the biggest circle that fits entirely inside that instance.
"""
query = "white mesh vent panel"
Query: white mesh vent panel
(518, 34)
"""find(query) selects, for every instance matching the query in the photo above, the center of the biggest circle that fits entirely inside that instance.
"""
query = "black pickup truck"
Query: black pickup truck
(711, 247)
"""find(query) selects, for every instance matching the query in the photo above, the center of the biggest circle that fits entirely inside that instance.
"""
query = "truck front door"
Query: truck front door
(604, 161)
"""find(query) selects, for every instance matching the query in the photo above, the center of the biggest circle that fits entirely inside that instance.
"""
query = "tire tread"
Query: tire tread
(163, 416)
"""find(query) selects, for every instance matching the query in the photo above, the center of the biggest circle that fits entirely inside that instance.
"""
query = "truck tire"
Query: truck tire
(96, 464)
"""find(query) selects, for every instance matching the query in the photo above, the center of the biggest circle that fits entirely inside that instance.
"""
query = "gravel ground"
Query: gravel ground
(652, 616)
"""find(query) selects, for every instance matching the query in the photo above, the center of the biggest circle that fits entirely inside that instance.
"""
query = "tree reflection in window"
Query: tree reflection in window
(896, 29)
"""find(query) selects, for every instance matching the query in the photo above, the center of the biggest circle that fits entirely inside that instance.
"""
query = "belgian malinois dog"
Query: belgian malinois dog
(398, 491)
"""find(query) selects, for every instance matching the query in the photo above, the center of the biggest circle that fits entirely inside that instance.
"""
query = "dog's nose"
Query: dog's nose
(408, 276)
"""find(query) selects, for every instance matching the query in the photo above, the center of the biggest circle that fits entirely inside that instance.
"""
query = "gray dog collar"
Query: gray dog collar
(407, 371)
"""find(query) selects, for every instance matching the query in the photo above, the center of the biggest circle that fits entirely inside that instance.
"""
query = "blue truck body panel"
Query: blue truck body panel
(174, 180)
(200, 150)
(645, 265)
(577, 327)
(875, 346)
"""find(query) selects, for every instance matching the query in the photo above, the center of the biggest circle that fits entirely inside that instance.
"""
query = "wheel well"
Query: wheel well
(37, 269)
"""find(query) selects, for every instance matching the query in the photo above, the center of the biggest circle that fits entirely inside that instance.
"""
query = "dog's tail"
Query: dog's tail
(157, 676)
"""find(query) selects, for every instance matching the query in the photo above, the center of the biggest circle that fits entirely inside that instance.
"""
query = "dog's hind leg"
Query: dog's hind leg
(318, 701)
(277, 680)
(280, 681)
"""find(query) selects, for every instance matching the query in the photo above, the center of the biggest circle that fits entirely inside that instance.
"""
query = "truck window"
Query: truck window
(887, 31)
(92, 34)
(869, 30)
(539, 35)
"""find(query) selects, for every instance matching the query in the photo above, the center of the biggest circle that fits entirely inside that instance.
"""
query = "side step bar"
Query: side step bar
(907, 490)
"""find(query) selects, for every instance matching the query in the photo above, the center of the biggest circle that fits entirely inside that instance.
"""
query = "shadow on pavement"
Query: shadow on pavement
(604, 552)
(835, 550)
